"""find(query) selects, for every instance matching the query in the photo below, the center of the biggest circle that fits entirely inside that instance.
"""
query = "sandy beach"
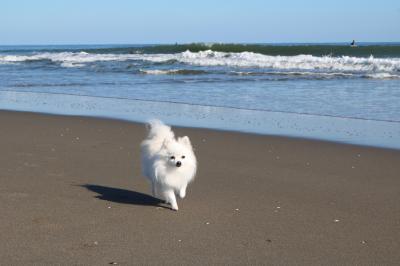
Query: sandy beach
(71, 193)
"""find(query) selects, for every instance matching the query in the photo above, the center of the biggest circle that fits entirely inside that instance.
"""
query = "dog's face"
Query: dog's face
(179, 154)
(176, 160)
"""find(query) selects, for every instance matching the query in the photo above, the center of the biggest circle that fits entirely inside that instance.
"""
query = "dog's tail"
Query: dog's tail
(158, 130)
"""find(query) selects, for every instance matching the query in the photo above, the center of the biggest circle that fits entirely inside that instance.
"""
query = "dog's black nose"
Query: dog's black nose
(178, 164)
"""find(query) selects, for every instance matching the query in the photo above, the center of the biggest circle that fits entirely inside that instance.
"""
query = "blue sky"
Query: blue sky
(170, 21)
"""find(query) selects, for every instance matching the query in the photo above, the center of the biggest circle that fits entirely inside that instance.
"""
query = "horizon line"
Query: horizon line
(199, 42)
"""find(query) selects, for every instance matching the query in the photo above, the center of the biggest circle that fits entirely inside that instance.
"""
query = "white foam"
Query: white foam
(159, 71)
(70, 64)
(382, 76)
(68, 57)
(298, 63)
(295, 73)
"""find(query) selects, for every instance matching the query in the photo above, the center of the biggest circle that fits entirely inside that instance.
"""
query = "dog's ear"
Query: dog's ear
(185, 141)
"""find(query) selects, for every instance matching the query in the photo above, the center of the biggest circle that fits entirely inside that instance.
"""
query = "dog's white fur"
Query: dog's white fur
(168, 163)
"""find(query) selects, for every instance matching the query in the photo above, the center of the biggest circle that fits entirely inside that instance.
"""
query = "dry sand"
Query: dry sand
(71, 193)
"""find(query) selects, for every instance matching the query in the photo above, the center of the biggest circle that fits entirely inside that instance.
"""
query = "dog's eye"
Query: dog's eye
(183, 156)
(172, 157)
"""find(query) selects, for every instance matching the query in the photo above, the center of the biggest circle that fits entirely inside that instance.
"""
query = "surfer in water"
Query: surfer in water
(353, 43)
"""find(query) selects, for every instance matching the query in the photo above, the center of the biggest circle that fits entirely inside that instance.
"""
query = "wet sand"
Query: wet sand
(71, 193)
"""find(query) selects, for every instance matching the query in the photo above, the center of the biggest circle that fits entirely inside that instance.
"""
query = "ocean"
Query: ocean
(324, 91)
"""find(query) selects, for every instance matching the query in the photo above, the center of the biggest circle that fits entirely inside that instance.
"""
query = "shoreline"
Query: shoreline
(139, 123)
(72, 193)
(372, 133)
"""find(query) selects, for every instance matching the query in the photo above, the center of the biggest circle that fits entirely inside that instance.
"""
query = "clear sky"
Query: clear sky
(182, 21)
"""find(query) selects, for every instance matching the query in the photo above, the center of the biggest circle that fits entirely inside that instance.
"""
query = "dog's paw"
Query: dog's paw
(174, 207)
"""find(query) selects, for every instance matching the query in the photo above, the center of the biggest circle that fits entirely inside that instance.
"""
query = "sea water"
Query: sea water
(330, 91)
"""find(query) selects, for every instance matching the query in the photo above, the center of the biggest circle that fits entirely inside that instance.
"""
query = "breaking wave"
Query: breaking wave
(369, 67)
(378, 50)
(172, 71)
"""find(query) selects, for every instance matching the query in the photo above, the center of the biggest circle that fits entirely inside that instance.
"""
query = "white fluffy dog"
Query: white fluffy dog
(168, 163)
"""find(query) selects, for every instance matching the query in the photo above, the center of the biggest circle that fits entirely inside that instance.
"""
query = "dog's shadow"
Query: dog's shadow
(123, 196)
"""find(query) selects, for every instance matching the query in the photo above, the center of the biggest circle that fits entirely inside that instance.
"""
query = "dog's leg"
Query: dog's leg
(182, 192)
(153, 190)
(170, 197)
